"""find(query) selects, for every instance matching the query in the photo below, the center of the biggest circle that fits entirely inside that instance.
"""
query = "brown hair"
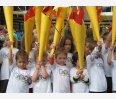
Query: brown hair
(90, 46)
(63, 41)
(22, 54)
(60, 51)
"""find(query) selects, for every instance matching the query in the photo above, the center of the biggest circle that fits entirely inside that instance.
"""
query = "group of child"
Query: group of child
(21, 72)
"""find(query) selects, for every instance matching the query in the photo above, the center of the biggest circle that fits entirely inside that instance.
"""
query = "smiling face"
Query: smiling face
(61, 59)
(67, 45)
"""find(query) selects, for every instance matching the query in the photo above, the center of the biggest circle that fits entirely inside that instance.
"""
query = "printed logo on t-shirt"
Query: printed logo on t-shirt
(63, 72)
(4, 55)
(39, 77)
(100, 64)
(23, 78)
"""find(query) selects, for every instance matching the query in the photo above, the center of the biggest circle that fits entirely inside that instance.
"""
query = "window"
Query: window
(20, 8)
(106, 9)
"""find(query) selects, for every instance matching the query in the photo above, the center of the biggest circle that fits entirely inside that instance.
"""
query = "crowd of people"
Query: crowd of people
(23, 73)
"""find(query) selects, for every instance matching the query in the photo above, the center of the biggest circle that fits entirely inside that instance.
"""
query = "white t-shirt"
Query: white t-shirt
(107, 67)
(69, 60)
(79, 86)
(96, 73)
(6, 68)
(43, 85)
(113, 75)
(61, 79)
(18, 82)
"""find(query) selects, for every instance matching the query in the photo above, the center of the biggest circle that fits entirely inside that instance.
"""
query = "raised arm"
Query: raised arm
(10, 54)
(44, 72)
(36, 73)
(106, 45)
(109, 58)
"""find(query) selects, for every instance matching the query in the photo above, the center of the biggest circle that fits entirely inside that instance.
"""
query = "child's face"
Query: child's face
(67, 45)
(87, 49)
(61, 59)
(21, 63)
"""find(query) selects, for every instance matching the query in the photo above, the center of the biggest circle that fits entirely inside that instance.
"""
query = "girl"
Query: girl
(20, 78)
(8, 57)
(61, 80)
(67, 43)
(41, 76)
(96, 72)
(79, 77)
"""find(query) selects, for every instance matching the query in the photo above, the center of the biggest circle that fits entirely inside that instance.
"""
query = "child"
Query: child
(105, 50)
(61, 80)
(112, 62)
(20, 77)
(79, 77)
(67, 43)
(95, 68)
(8, 57)
(31, 64)
(41, 76)
(89, 46)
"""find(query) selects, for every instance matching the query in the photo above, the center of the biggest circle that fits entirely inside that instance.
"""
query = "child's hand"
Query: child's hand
(80, 71)
(39, 64)
(81, 77)
(10, 56)
(51, 60)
